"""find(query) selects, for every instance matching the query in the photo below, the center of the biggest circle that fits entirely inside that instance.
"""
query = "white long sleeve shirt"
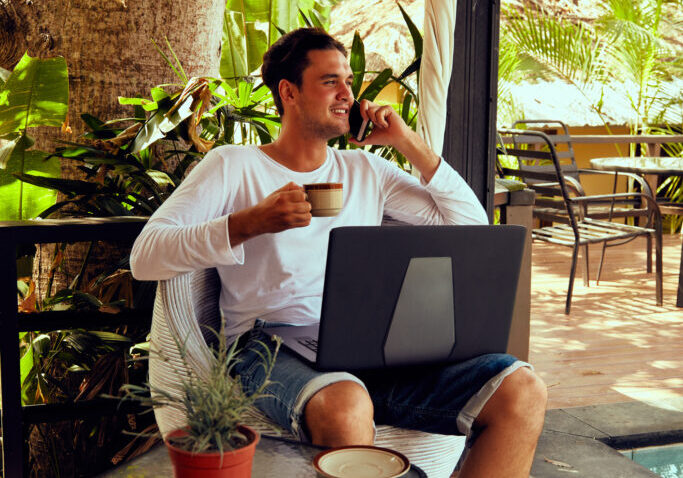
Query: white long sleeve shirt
(279, 277)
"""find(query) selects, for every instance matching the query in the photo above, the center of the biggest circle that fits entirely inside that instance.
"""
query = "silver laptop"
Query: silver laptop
(412, 295)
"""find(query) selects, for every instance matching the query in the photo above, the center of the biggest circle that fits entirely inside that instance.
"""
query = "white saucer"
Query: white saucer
(361, 462)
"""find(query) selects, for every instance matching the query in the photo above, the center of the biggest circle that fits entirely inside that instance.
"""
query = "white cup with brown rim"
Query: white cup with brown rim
(326, 199)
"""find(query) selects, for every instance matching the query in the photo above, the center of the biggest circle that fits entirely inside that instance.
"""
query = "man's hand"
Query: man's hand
(283, 209)
(390, 129)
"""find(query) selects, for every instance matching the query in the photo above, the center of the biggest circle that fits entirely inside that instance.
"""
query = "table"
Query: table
(650, 168)
(274, 457)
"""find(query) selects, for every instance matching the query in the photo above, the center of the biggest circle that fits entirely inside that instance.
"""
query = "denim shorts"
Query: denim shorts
(443, 399)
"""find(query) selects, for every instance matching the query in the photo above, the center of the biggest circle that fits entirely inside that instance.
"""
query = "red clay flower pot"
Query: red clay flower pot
(235, 464)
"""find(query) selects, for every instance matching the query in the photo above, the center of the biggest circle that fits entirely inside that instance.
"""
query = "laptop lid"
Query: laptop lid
(412, 295)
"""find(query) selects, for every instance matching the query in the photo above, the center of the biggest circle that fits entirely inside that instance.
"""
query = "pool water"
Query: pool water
(665, 461)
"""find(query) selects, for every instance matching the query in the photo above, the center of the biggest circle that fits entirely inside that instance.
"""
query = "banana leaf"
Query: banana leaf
(159, 125)
(20, 200)
(35, 94)
(243, 46)
(357, 63)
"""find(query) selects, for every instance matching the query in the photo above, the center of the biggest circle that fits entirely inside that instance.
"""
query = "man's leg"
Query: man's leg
(325, 408)
(339, 415)
(497, 401)
(508, 428)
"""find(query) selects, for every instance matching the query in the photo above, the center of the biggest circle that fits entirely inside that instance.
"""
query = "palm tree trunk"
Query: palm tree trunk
(109, 52)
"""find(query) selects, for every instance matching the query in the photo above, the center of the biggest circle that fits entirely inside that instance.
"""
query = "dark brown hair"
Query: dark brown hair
(287, 58)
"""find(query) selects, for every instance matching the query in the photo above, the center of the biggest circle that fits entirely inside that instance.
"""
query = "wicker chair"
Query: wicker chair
(186, 304)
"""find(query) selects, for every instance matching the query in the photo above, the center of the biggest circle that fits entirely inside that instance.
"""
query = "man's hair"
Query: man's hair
(287, 58)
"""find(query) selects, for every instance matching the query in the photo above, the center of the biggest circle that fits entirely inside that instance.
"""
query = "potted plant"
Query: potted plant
(214, 443)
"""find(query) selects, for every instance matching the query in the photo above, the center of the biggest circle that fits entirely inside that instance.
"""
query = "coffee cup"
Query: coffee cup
(326, 198)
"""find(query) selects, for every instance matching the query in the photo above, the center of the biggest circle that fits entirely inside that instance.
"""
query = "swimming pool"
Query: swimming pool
(666, 461)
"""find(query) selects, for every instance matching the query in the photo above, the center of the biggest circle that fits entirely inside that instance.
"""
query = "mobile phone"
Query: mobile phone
(359, 127)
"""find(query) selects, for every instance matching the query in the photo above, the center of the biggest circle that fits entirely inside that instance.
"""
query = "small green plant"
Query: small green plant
(214, 405)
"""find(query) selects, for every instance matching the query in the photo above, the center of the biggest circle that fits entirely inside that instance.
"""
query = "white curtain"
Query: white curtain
(435, 75)
(435, 70)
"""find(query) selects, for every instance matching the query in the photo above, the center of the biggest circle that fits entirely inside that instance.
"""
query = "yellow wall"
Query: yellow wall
(596, 184)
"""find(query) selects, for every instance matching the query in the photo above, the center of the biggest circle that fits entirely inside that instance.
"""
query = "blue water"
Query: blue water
(666, 461)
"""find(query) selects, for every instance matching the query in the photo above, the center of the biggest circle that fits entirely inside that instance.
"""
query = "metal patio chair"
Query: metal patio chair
(548, 213)
(557, 189)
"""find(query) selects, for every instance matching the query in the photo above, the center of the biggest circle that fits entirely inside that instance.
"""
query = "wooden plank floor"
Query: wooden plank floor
(616, 345)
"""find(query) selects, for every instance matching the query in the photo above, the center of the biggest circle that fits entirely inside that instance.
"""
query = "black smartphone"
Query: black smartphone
(359, 127)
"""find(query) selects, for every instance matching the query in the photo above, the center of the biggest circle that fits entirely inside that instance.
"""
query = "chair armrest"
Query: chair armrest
(652, 203)
(644, 186)
(574, 185)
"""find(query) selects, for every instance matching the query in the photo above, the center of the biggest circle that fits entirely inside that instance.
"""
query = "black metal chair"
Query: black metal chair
(557, 189)
(548, 212)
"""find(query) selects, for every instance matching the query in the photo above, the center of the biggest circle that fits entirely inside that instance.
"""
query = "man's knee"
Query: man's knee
(520, 398)
(340, 414)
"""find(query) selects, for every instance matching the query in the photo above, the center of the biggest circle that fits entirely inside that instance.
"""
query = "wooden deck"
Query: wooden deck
(616, 345)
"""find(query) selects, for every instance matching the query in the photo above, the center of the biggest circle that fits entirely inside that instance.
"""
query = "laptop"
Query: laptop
(412, 295)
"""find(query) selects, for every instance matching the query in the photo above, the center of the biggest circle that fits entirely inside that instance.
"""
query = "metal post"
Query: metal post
(469, 140)
(12, 436)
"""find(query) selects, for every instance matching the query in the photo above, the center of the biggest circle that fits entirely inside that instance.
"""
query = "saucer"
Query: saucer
(361, 462)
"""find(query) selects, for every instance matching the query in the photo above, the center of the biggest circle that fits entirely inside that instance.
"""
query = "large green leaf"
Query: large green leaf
(414, 32)
(275, 13)
(20, 200)
(159, 125)
(357, 63)
(35, 94)
(234, 62)
(251, 26)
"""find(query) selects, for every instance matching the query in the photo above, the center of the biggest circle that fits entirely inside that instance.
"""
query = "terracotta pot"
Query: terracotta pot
(234, 464)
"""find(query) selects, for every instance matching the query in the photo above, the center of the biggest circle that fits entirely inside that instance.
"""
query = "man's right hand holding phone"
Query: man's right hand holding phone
(390, 129)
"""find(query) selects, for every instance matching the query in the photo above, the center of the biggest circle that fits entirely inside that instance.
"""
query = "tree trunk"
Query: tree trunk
(108, 44)
(108, 48)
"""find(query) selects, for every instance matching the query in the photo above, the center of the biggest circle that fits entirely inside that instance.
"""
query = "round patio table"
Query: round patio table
(650, 168)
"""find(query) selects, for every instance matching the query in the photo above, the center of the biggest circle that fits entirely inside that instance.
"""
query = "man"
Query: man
(243, 211)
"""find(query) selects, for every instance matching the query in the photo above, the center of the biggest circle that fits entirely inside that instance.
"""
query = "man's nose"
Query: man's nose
(345, 92)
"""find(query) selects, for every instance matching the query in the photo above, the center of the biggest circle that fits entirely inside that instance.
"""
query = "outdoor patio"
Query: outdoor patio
(617, 345)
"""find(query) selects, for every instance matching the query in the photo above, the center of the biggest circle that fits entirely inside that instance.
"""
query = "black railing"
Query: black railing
(14, 415)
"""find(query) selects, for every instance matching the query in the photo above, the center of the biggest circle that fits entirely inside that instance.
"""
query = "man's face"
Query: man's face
(325, 96)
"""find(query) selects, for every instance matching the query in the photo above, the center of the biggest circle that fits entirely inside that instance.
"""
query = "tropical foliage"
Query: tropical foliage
(35, 94)
(214, 405)
(624, 51)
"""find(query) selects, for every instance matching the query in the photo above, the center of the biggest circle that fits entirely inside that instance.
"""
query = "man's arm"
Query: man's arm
(390, 129)
(443, 198)
(195, 228)
(284, 209)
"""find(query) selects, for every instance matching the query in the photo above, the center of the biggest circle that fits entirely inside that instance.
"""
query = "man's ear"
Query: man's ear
(288, 91)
